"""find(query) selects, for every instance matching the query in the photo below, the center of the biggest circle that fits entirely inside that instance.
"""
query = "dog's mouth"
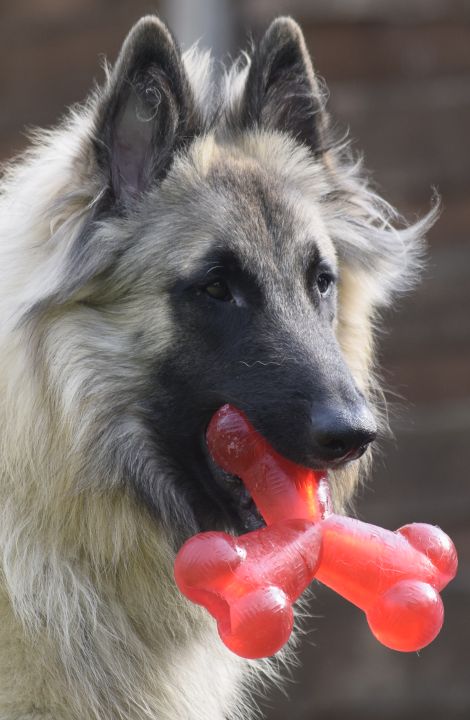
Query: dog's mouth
(238, 504)
(271, 484)
(273, 487)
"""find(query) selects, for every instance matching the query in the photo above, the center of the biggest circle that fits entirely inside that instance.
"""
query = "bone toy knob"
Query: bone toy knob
(393, 576)
(249, 583)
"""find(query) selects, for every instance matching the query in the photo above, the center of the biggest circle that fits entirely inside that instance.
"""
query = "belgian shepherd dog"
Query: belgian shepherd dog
(178, 242)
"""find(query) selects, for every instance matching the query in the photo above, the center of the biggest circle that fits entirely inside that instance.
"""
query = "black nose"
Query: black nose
(341, 433)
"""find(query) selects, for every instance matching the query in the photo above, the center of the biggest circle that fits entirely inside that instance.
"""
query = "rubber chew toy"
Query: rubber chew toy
(249, 583)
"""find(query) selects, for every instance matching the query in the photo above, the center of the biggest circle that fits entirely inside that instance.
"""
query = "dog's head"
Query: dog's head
(222, 249)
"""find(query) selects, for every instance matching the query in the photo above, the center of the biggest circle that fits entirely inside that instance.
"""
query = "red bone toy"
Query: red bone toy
(249, 583)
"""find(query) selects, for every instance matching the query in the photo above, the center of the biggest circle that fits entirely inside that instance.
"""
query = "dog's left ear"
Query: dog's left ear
(146, 113)
(282, 92)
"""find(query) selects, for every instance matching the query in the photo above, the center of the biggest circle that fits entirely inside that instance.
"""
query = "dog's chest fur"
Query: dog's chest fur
(134, 648)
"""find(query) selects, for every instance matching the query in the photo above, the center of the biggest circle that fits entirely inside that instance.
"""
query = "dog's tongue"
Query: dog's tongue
(280, 489)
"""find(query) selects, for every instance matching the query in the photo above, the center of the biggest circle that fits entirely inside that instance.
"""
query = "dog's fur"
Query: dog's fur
(113, 356)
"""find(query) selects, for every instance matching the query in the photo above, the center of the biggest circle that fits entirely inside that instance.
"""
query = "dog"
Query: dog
(178, 242)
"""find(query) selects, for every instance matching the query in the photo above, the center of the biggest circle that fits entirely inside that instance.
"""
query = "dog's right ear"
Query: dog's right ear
(146, 112)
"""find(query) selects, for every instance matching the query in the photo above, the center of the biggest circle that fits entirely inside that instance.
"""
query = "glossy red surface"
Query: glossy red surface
(280, 488)
(395, 582)
(249, 583)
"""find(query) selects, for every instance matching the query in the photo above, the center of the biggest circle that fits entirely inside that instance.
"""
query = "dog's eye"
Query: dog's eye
(324, 282)
(218, 290)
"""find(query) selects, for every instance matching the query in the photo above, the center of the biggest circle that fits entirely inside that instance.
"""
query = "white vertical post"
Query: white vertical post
(209, 21)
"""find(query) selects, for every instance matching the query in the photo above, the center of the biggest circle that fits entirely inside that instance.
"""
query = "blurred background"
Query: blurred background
(399, 79)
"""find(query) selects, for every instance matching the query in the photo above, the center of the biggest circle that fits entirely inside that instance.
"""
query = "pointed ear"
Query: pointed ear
(146, 113)
(282, 92)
